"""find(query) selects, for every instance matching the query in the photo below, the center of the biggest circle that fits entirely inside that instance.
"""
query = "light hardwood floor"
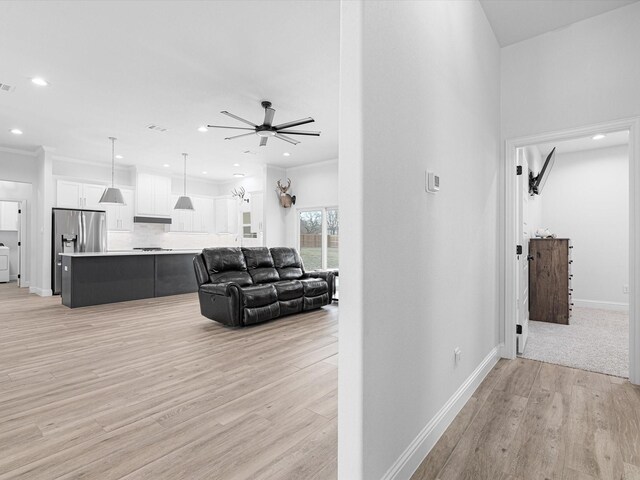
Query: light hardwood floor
(150, 389)
(532, 420)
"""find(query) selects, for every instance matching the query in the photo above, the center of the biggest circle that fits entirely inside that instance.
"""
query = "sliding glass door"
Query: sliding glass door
(318, 237)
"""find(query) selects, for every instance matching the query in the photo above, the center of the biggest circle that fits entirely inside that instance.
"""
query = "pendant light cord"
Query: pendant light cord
(185, 173)
(113, 160)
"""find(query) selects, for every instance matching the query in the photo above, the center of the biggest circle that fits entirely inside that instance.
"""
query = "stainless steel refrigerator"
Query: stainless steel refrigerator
(75, 231)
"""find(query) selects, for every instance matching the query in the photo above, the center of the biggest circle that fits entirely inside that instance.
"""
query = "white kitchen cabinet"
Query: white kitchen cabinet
(153, 195)
(203, 216)
(199, 220)
(226, 215)
(79, 195)
(9, 216)
(181, 220)
(256, 203)
(120, 217)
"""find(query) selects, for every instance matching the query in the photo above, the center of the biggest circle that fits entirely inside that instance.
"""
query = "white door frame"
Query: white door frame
(510, 232)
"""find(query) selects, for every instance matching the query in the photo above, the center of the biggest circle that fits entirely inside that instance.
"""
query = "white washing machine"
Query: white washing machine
(4, 264)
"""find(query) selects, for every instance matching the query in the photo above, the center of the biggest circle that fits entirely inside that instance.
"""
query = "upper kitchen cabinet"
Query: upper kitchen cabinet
(203, 215)
(198, 220)
(153, 195)
(226, 215)
(79, 195)
(120, 217)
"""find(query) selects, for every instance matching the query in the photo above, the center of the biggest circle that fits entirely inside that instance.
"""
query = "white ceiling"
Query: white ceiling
(516, 20)
(585, 143)
(116, 67)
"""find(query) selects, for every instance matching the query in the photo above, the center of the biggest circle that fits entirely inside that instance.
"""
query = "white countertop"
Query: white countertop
(119, 253)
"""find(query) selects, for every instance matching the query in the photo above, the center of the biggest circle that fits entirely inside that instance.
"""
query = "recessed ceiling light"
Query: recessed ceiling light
(286, 154)
(166, 165)
(599, 136)
(41, 82)
(16, 131)
(203, 129)
(236, 164)
(204, 173)
(119, 157)
(239, 175)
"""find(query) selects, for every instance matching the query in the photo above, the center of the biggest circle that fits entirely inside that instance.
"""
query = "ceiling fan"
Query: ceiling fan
(267, 129)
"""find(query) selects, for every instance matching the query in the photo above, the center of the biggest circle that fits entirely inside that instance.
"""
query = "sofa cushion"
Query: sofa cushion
(259, 295)
(226, 264)
(289, 289)
(288, 263)
(260, 264)
(314, 286)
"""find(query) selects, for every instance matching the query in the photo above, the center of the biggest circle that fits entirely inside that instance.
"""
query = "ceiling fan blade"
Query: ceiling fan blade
(287, 139)
(295, 123)
(235, 128)
(268, 116)
(239, 118)
(263, 141)
(300, 132)
(238, 136)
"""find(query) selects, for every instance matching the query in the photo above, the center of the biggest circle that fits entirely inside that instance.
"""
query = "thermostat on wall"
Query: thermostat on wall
(433, 182)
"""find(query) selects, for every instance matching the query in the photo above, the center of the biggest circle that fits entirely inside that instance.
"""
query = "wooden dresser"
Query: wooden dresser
(550, 280)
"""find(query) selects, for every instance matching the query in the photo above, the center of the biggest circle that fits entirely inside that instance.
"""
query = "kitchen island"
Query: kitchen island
(94, 278)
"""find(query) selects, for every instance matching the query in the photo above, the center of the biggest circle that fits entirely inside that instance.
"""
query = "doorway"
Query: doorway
(11, 228)
(516, 331)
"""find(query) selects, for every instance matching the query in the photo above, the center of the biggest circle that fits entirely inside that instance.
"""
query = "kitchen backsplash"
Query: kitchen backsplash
(154, 235)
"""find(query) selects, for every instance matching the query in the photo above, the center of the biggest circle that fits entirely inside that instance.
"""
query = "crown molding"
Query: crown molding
(17, 151)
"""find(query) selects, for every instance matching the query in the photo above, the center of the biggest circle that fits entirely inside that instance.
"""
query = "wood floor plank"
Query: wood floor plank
(486, 445)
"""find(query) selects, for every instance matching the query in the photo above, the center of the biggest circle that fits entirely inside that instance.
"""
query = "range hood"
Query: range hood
(161, 220)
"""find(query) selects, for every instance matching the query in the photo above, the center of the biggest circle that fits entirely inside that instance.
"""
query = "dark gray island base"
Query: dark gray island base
(95, 279)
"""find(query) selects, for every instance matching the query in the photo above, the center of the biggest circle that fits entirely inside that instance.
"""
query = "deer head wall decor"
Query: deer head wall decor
(240, 193)
(286, 200)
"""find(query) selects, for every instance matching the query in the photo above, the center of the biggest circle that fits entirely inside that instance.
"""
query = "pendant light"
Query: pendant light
(112, 195)
(184, 202)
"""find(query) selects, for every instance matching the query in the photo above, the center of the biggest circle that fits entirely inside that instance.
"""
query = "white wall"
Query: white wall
(586, 199)
(314, 185)
(533, 213)
(426, 76)
(582, 74)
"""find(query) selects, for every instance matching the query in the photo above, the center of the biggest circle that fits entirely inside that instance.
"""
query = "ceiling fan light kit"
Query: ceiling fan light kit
(112, 195)
(267, 129)
(184, 202)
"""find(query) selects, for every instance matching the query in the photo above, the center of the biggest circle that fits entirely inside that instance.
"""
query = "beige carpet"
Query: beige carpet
(595, 340)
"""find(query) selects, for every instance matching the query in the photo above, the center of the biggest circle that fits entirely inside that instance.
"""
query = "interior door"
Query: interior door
(523, 262)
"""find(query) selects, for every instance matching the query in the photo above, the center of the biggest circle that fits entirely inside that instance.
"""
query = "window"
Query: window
(318, 239)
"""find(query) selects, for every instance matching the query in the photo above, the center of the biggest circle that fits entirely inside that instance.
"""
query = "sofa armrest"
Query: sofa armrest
(226, 289)
(326, 275)
(222, 302)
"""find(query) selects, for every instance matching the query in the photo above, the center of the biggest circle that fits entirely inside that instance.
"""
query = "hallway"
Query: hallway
(533, 420)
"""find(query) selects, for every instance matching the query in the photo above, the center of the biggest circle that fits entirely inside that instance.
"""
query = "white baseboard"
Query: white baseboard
(418, 449)
(41, 291)
(13, 278)
(617, 306)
